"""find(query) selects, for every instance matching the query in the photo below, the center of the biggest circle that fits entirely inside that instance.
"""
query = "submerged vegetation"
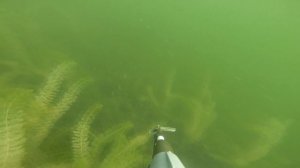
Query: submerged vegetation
(31, 120)
(12, 136)
(224, 77)
(27, 120)
(264, 138)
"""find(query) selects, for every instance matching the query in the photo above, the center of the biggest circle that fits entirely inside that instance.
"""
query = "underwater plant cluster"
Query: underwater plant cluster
(28, 118)
(51, 127)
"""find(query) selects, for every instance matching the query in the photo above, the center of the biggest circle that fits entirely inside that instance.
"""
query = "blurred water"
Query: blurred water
(225, 73)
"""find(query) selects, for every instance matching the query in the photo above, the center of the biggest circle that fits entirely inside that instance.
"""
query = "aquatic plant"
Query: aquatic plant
(52, 85)
(201, 115)
(198, 109)
(125, 152)
(24, 127)
(24, 132)
(266, 136)
(269, 134)
(44, 102)
(110, 149)
(81, 139)
(12, 136)
(106, 150)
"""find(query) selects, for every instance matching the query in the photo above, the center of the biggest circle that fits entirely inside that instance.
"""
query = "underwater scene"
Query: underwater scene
(82, 82)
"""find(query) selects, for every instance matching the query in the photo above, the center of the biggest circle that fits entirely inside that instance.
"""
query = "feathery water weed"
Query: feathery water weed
(55, 112)
(25, 134)
(125, 152)
(80, 139)
(53, 83)
(12, 137)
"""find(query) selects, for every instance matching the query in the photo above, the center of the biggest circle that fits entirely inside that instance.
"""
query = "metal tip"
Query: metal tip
(159, 128)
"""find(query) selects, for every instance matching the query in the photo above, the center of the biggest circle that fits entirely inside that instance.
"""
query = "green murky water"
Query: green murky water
(82, 82)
